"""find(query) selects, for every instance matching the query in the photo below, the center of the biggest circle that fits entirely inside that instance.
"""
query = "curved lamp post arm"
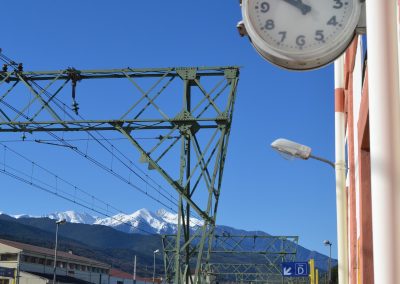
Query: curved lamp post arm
(332, 164)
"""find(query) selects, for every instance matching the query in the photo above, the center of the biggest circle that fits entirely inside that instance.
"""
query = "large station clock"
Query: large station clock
(300, 34)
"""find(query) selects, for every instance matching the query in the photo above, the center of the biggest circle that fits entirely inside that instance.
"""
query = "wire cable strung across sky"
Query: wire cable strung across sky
(101, 165)
(93, 160)
(110, 148)
(28, 178)
(49, 95)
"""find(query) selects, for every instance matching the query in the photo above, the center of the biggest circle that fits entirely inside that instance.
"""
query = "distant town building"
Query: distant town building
(34, 265)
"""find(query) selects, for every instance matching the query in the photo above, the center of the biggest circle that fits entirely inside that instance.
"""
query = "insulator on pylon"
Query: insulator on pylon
(75, 107)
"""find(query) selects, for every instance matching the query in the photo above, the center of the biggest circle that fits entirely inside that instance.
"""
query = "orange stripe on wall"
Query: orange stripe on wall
(339, 100)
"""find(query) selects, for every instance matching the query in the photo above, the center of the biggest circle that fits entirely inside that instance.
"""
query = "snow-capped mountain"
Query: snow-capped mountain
(69, 216)
(143, 220)
(140, 221)
(74, 217)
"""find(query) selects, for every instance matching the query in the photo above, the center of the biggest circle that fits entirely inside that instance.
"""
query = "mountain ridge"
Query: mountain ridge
(115, 237)
(140, 221)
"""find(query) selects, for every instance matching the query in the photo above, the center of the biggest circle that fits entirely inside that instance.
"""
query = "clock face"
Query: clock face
(301, 34)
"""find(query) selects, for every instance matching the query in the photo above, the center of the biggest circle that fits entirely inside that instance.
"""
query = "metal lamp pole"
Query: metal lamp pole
(154, 263)
(296, 150)
(62, 221)
(328, 243)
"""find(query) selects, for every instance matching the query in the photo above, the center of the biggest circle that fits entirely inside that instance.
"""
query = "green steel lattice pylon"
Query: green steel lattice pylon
(189, 109)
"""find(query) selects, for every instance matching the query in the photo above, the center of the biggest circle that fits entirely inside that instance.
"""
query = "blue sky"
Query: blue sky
(261, 190)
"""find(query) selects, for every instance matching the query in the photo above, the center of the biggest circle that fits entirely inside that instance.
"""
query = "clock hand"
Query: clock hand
(304, 8)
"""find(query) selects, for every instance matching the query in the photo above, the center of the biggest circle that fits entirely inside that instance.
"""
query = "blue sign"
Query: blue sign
(295, 269)
(7, 272)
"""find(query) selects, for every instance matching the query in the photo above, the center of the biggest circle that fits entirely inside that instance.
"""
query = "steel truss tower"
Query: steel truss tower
(265, 252)
(188, 109)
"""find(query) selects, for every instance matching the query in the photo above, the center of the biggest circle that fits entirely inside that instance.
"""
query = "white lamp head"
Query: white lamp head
(291, 149)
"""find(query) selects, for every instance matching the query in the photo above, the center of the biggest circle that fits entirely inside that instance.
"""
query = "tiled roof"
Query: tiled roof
(121, 274)
(61, 278)
(50, 253)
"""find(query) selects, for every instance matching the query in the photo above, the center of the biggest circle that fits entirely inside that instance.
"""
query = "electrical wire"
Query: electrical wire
(62, 108)
(81, 139)
(101, 165)
(35, 185)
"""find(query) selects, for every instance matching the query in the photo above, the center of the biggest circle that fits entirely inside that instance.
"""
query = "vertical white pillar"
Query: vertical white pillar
(384, 118)
(340, 170)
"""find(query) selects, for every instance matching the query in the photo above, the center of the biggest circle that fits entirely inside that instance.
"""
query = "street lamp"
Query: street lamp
(296, 150)
(58, 223)
(154, 263)
(328, 243)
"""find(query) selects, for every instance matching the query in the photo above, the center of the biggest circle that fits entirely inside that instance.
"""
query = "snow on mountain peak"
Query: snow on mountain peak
(18, 216)
(140, 221)
(73, 217)
(172, 218)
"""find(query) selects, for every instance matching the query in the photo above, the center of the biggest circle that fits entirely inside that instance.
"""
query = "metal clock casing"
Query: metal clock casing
(300, 34)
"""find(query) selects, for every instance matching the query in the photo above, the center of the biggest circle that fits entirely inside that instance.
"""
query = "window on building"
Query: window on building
(4, 281)
(41, 260)
(8, 257)
(49, 262)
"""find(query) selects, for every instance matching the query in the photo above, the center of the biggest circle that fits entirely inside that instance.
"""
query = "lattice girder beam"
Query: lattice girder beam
(208, 99)
(272, 249)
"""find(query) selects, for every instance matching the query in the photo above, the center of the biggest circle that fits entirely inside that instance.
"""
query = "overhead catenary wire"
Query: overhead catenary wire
(57, 191)
(101, 165)
(24, 180)
(76, 188)
(62, 106)
(81, 139)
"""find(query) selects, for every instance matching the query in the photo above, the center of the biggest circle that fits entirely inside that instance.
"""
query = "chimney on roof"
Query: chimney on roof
(70, 252)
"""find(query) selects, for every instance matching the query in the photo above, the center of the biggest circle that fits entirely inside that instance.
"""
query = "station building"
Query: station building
(370, 248)
(35, 264)
(359, 210)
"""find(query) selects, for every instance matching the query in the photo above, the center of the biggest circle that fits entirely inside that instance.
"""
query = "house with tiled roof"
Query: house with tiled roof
(35, 265)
